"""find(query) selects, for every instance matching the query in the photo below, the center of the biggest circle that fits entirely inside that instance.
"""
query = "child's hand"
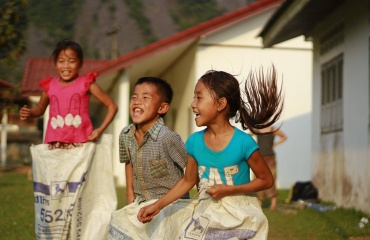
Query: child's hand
(24, 113)
(218, 191)
(147, 213)
(94, 135)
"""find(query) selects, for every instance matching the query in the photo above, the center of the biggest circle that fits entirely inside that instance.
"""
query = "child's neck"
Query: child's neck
(70, 81)
(140, 131)
(218, 130)
(217, 138)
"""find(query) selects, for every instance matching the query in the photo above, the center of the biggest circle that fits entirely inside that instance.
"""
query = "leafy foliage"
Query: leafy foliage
(56, 17)
(10, 70)
(193, 12)
(13, 24)
(7, 99)
(136, 12)
(12, 27)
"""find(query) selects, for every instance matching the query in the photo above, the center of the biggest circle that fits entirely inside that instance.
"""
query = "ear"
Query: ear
(163, 108)
(222, 103)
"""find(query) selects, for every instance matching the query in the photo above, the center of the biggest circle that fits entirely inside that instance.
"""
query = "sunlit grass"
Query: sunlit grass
(287, 222)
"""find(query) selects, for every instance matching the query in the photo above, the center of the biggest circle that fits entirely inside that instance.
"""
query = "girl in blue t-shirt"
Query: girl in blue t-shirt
(221, 156)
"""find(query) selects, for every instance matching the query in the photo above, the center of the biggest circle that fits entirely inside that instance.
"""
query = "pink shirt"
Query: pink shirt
(69, 119)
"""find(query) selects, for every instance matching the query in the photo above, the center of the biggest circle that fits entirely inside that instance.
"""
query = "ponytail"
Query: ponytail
(264, 101)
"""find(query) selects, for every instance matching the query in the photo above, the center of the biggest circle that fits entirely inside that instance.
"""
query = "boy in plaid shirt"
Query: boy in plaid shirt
(154, 156)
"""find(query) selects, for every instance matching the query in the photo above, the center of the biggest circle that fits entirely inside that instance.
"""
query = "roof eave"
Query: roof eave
(271, 33)
(295, 18)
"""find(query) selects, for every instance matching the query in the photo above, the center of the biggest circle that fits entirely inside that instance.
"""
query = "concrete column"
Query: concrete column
(121, 120)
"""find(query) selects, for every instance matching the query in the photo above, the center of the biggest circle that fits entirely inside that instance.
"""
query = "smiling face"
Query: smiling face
(67, 65)
(204, 106)
(146, 106)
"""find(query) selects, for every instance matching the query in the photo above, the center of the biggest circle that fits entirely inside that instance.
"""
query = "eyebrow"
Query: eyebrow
(145, 93)
(68, 58)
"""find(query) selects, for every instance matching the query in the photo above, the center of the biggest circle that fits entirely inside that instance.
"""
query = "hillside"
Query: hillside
(96, 23)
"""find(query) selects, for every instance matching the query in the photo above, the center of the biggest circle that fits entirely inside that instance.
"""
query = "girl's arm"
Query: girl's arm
(183, 186)
(111, 106)
(282, 137)
(36, 111)
(130, 195)
(263, 180)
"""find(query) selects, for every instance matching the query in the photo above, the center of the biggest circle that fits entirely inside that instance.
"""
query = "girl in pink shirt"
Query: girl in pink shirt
(68, 95)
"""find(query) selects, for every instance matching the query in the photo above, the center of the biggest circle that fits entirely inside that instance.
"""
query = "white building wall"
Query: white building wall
(236, 50)
(356, 103)
(341, 161)
(181, 76)
(316, 114)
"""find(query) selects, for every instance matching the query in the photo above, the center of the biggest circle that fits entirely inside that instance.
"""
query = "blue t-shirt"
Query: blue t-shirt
(228, 166)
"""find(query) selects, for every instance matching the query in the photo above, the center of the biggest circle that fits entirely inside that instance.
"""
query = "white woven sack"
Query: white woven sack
(73, 190)
(98, 197)
(168, 224)
(232, 217)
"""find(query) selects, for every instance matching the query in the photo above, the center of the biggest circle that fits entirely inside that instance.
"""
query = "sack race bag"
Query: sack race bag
(99, 197)
(74, 190)
(232, 217)
(166, 225)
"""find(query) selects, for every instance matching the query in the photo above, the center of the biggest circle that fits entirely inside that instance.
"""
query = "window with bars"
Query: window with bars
(332, 95)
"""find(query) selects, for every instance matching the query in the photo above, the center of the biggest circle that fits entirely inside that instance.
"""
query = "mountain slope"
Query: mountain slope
(100, 24)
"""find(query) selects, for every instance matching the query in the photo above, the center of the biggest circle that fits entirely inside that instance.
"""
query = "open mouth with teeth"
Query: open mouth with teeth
(138, 111)
(66, 72)
(197, 115)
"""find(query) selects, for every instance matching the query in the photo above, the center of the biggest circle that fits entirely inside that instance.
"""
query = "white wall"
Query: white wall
(341, 161)
(181, 76)
(356, 103)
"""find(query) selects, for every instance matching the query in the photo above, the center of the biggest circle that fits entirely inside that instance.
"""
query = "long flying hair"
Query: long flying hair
(264, 99)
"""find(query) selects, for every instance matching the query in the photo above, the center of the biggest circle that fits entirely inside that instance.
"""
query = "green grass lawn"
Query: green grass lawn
(290, 222)
(287, 222)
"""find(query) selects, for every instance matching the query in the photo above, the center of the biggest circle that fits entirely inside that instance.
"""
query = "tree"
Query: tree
(12, 27)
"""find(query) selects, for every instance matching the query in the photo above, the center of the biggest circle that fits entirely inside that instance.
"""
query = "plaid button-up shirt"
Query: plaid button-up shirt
(158, 163)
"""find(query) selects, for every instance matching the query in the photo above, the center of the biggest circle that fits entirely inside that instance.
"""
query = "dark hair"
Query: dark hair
(65, 44)
(264, 101)
(164, 89)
